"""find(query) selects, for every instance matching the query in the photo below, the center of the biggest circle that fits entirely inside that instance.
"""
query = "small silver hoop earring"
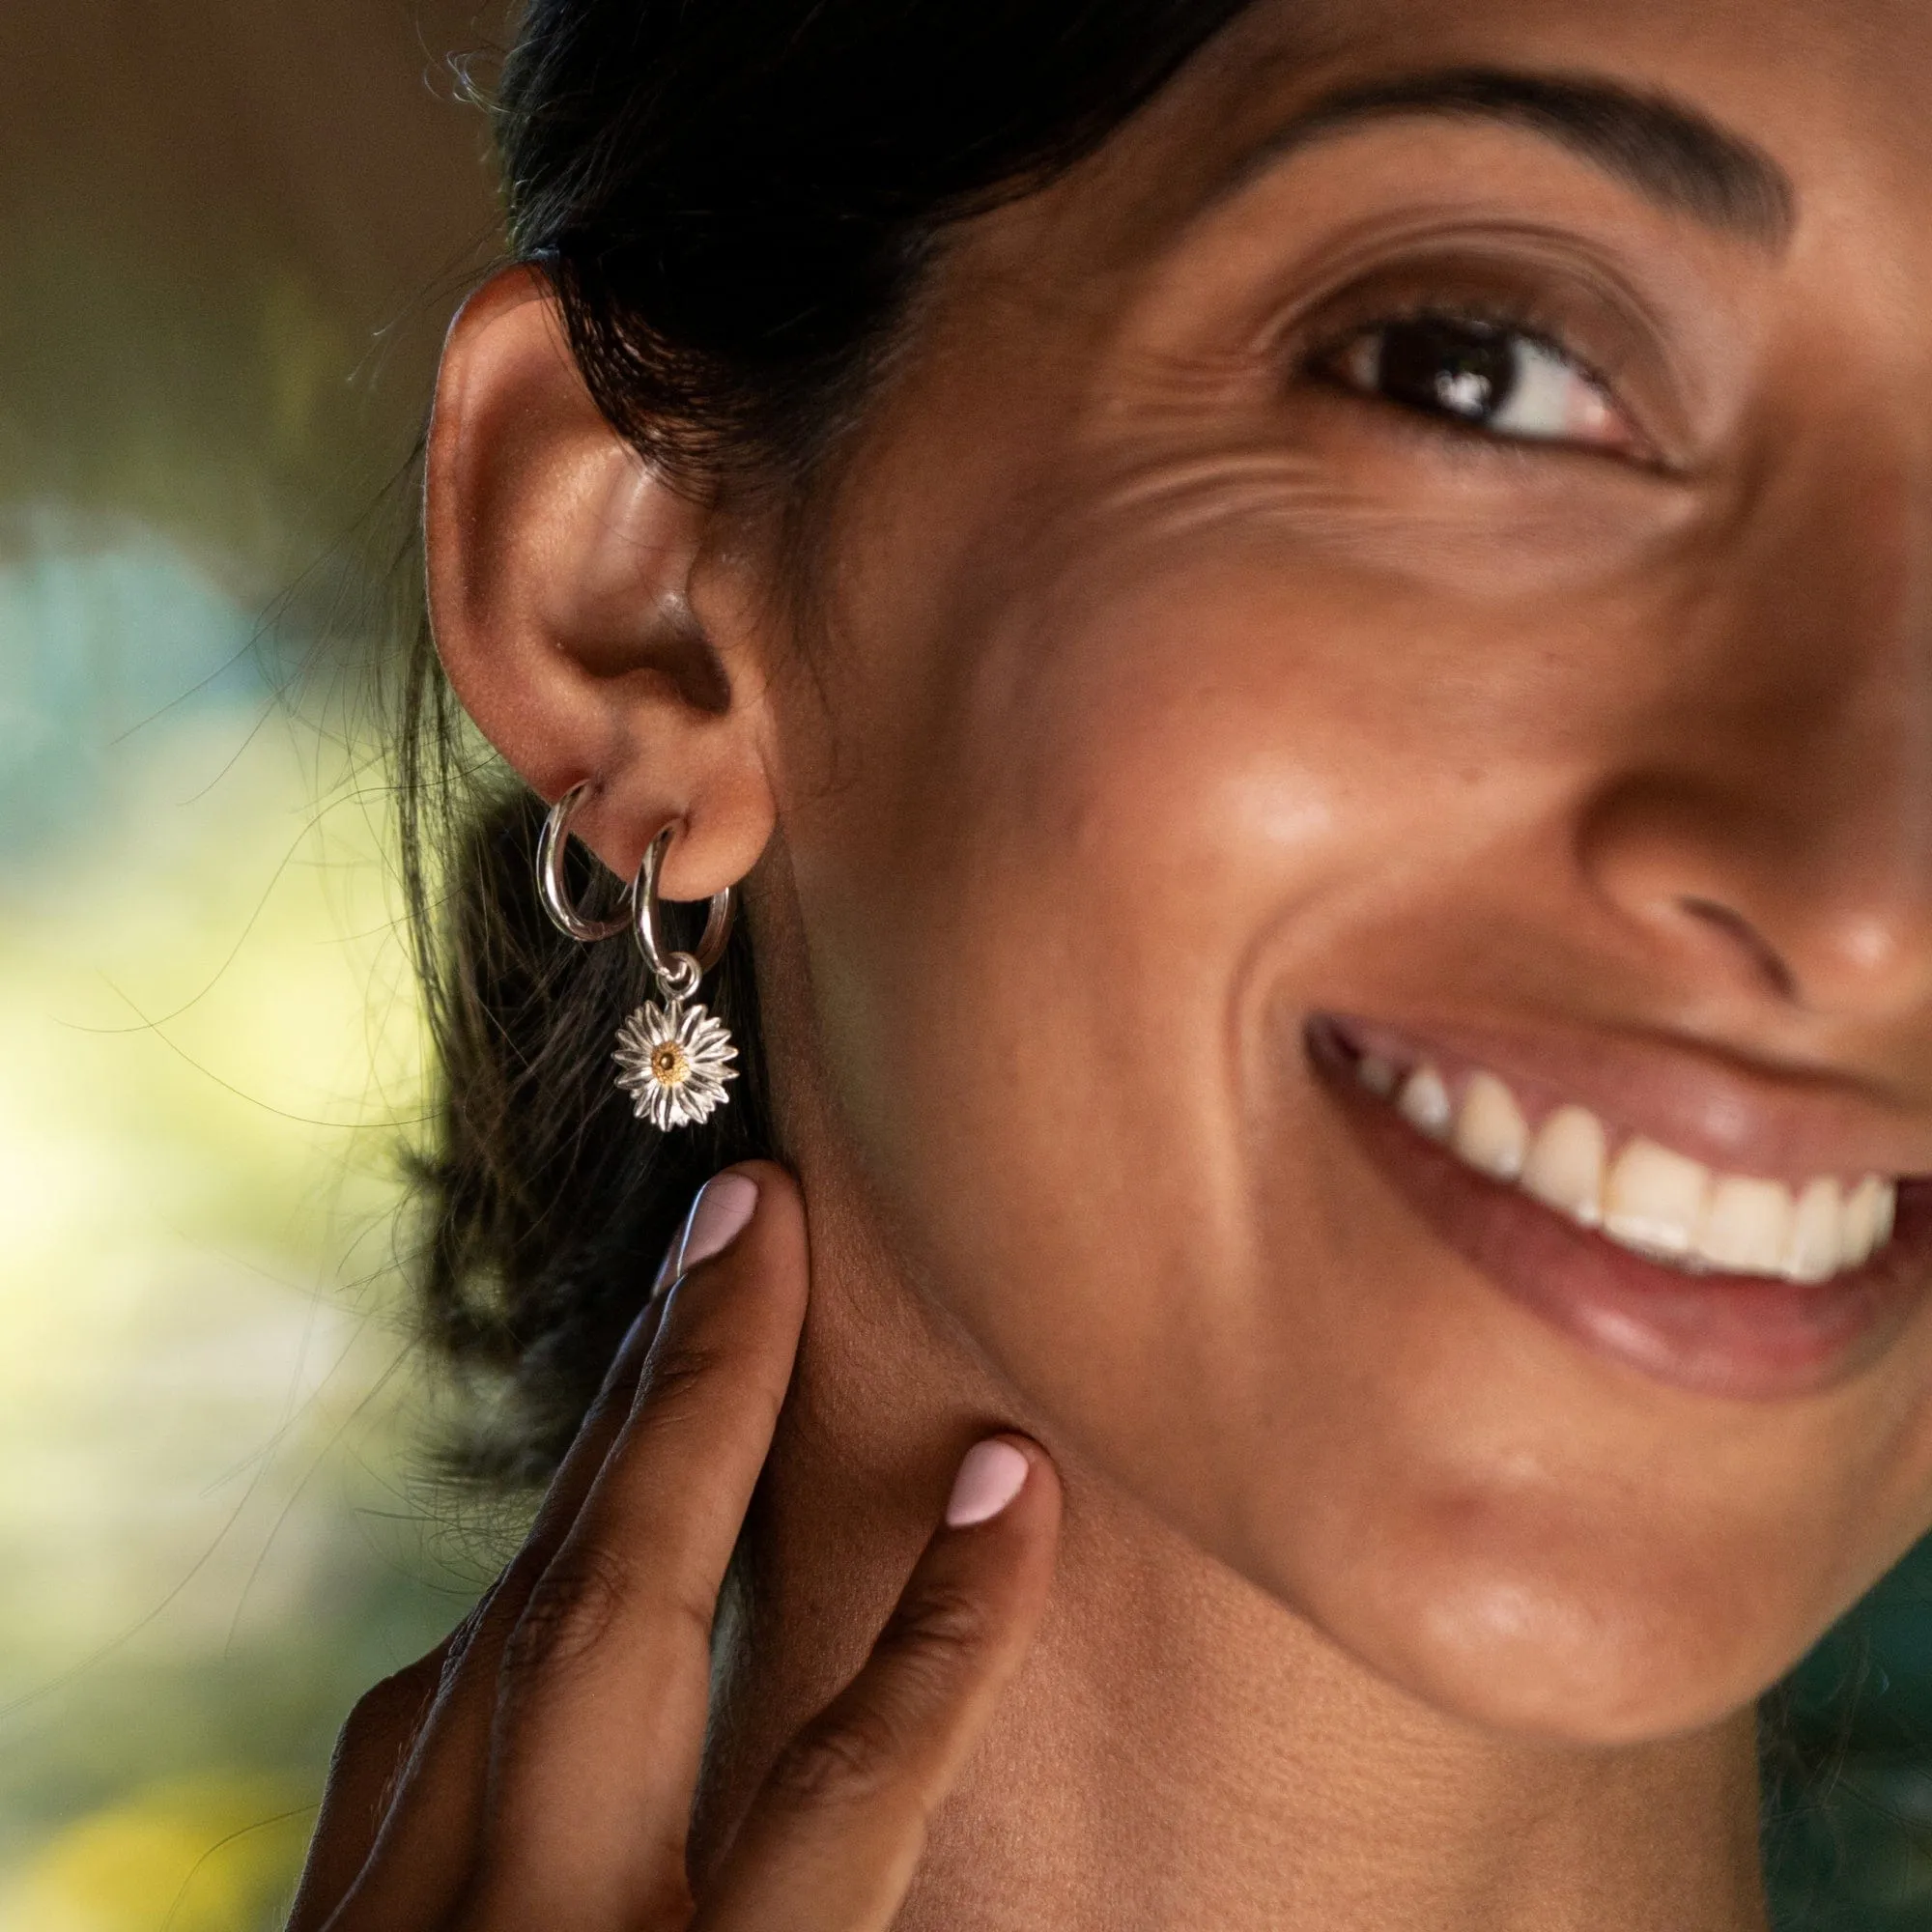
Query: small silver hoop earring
(673, 1058)
(550, 885)
(678, 973)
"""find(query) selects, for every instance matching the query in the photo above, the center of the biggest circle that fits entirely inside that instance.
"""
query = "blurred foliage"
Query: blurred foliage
(234, 235)
(1848, 1802)
(212, 1530)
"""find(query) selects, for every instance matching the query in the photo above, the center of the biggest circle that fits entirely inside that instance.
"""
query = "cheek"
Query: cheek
(1086, 866)
(1065, 921)
(1059, 904)
(1053, 934)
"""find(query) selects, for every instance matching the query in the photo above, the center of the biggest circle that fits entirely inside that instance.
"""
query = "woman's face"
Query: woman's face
(1412, 570)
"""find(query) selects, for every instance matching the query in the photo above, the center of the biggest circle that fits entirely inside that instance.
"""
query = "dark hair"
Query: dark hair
(735, 202)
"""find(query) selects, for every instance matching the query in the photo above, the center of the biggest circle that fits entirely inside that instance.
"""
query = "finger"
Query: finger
(836, 1834)
(424, 1843)
(368, 1757)
(606, 1682)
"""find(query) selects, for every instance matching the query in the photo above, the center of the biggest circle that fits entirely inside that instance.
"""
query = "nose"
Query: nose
(1824, 905)
(1770, 823)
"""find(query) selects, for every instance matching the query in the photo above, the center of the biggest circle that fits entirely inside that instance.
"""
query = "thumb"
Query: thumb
(834, 1837)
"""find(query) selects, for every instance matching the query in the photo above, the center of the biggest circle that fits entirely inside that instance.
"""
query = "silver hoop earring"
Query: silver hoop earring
(673, 1058)
(552, 889)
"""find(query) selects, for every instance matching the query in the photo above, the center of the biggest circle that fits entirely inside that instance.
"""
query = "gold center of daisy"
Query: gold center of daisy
(670, 1066)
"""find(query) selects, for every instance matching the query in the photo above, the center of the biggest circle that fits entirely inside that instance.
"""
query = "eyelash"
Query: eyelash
(1503, 322)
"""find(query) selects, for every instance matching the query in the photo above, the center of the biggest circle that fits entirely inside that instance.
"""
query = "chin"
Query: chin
(1567, 1661)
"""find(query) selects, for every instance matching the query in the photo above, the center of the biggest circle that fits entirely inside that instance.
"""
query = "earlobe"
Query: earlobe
(560, 570)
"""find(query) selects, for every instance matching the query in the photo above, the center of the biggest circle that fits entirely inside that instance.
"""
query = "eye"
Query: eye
(1485, 374)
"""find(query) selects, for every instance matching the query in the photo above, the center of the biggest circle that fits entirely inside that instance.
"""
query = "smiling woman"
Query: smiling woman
(1304, 634)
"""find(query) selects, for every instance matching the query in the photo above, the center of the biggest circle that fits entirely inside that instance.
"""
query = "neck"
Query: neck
(1182, 1750)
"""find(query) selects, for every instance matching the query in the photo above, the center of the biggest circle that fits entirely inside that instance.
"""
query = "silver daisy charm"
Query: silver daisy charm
(675, 1062)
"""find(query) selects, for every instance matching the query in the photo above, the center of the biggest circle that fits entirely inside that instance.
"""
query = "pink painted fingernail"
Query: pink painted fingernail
(990, 1477)
(718, 1217)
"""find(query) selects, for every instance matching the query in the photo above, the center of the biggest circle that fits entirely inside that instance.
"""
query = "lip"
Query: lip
(1747, 1337)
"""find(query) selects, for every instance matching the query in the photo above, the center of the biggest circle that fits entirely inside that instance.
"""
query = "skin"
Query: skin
(1154, 690)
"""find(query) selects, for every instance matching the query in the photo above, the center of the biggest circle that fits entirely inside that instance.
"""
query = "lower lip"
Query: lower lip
(1748, 1337)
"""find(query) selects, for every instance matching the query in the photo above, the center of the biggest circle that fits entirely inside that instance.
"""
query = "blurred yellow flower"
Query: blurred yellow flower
(207, 1856)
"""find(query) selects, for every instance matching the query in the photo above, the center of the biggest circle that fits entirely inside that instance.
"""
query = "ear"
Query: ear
(562, 587)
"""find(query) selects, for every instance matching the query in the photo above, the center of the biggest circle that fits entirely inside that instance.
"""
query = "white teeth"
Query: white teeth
(1658, 1201)
(1565, 1170)
(1864, 1211)
(1746, 1225)
(1425, 1103)
(1491, 1132)
(1654, 1199)
(1816, 1243)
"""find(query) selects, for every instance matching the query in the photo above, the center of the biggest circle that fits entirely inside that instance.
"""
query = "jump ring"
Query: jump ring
(551, 883)
(678, 973)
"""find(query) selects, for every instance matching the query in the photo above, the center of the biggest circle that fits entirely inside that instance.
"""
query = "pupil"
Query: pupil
(1466, 369)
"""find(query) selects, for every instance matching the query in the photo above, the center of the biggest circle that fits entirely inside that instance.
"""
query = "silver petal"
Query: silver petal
(707, 1049)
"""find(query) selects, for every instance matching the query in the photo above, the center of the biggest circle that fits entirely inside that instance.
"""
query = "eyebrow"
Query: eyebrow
(1670, 154)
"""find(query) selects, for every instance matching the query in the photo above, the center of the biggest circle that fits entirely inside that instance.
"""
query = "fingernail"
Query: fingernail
(990, 1477)
(718, 1216)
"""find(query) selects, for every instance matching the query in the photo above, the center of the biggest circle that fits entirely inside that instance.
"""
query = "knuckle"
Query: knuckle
(387, 1713)
(842, 1759)
(942, 1630)
(570, 1610)
(680, 1369)
(463, 1637)
(864, 1744)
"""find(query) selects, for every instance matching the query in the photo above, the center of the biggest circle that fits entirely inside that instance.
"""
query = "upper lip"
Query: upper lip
(1783, 1126)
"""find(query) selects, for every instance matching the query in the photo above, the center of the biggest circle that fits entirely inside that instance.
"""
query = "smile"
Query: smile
(1643, 1196)
(1722, 1280)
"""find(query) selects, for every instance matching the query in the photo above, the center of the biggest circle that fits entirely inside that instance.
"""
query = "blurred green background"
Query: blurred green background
(233, 233)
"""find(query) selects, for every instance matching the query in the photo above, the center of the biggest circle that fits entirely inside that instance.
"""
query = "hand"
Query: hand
(535, 1774)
